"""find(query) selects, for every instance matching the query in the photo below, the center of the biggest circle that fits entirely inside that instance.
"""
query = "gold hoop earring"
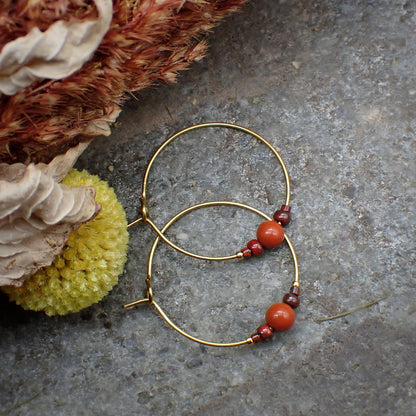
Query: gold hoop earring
(279, 317)
(270, 234)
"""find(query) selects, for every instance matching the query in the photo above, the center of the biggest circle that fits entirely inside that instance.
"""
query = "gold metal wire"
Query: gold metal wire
(150, 299)
(144, 208)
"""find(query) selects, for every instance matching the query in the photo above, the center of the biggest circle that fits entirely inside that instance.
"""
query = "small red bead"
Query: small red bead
(265, 331)
(295, 290)
(291, 300)
(255, 247)
(282, 215)
(270, 234)
(246, 252)
(280, 316)
(256, 338)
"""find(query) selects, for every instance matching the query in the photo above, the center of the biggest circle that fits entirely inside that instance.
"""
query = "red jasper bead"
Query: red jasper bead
(256, 338)
(282, 215)
(291, 299)
(265, 331)
(270, 234)
(255, 247)
(280, 316)
(246, 252)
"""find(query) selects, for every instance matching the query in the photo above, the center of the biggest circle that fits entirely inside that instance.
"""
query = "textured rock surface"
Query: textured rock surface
(330, 83)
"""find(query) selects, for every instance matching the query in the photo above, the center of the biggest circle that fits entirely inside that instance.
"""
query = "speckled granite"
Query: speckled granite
(332, 85)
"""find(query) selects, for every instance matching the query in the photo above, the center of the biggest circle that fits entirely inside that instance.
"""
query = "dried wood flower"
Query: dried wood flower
(37, 214)
(90, 263)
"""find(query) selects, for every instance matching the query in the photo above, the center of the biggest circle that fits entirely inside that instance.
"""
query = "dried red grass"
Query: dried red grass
(148, 42)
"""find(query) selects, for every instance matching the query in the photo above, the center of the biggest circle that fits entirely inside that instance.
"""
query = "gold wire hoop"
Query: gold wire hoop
(143, 200)
(149, 292)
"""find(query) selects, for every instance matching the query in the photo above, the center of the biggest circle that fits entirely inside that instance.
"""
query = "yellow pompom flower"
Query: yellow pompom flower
(90, 263)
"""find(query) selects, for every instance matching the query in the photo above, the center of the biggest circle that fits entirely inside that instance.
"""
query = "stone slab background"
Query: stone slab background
(332, 85)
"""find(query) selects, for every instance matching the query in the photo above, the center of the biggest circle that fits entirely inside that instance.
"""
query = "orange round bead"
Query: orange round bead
(270, 234)
(280, 316)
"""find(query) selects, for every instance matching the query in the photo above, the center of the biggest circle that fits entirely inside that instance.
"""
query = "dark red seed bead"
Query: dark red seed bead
(265, 331)
(255, 247)
(256, 338)
(295, 290)
(282, 215)
(291, 300)
(246, 252)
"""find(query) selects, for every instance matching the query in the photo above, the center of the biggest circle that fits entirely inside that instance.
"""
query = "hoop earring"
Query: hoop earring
(279, 317)
(270, 234)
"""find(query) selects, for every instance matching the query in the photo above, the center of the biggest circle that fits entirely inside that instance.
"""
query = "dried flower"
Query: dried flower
(148, 42)
(37, 214)
(90, 263)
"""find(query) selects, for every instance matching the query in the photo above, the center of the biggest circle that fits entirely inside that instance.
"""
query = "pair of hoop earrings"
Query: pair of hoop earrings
(270, 234)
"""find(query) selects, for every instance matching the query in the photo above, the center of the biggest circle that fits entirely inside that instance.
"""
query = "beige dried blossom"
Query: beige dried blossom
(54, 54)
(37, 214)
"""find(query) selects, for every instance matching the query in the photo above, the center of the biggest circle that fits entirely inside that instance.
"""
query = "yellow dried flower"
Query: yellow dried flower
(89, 265)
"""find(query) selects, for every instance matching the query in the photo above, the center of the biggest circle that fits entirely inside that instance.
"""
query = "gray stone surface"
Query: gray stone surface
(332, 85)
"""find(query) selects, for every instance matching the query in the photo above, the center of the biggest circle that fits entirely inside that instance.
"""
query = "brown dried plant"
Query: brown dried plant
(148, 42)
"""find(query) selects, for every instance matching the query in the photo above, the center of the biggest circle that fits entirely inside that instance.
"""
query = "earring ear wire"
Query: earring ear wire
(254, 247)
(279, 316)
